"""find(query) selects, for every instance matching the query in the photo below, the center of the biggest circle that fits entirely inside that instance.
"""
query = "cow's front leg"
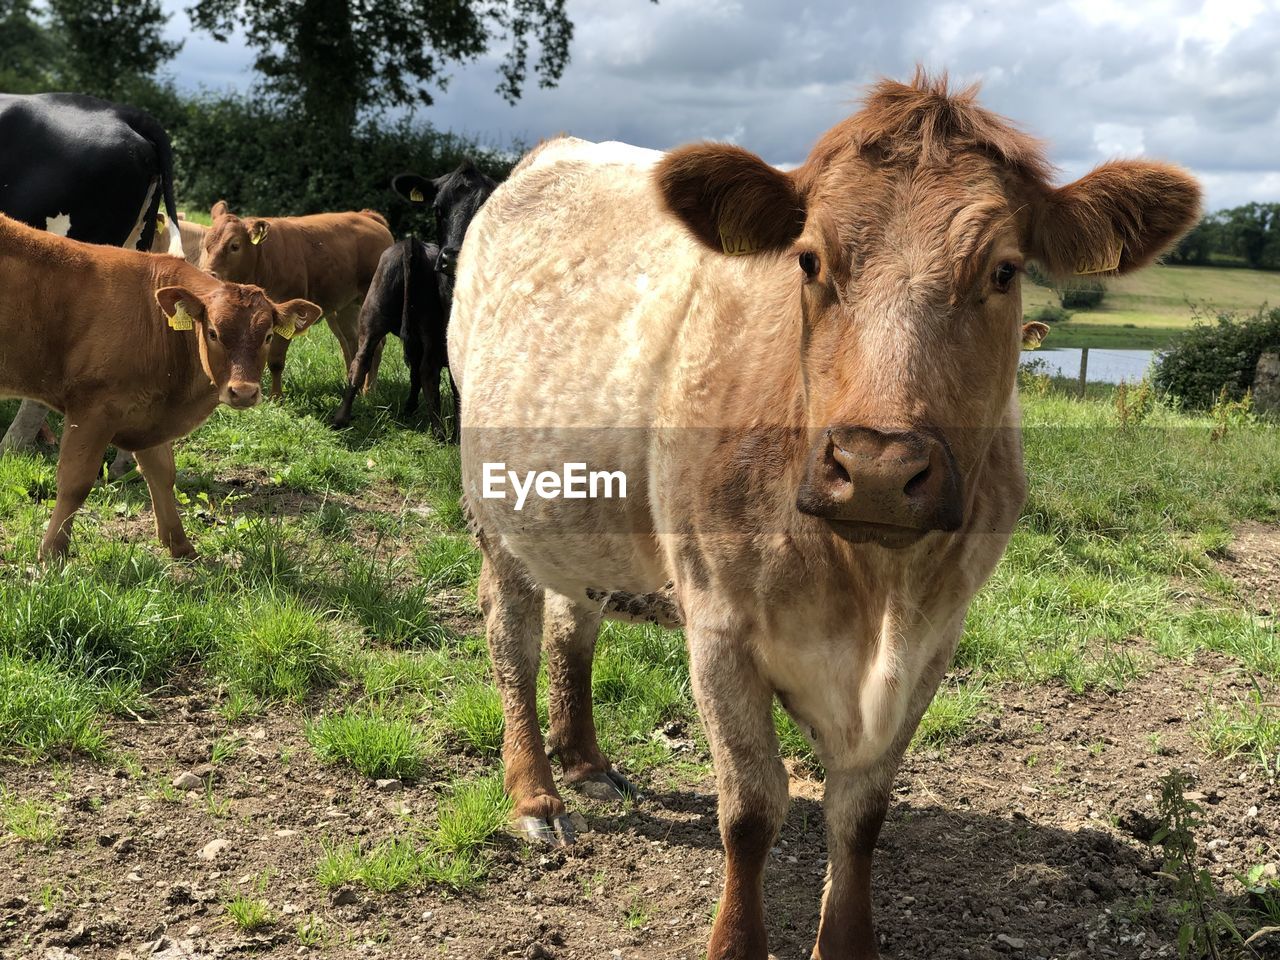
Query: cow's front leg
(736, 707)
(855, 806)
(569, 637)
(513, 623)
(276, 354)
(160, 473)
(84, 441)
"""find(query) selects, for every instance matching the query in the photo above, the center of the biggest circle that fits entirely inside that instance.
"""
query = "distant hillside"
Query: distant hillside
(1147, 309)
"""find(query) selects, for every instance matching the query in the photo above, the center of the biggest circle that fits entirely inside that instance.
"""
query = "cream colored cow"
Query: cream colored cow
(808, 379)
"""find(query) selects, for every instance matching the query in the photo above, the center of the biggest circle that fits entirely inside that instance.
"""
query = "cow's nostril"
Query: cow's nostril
(839, 472)
(916, 483)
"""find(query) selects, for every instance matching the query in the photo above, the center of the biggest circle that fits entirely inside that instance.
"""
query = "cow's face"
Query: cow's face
(455, 199)
(231, 245)
(234, 326)
(899, 248)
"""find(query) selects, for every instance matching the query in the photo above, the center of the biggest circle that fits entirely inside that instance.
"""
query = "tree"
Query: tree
(1253, 232)
(108, 45)
(334, 59)
(26, 49)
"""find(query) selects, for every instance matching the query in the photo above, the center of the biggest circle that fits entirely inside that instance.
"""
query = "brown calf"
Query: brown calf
(191, 234)
(328, 258)
(808, 379)
(135, 350)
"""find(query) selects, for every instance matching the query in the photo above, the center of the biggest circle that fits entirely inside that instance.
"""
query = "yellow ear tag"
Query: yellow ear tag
(736, 246)
(416, 195)
(286, 328)
(257, 238)
(181, 320)
(1110, 265)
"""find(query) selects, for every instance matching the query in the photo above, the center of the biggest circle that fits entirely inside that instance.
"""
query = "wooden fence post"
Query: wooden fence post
(1084, 369)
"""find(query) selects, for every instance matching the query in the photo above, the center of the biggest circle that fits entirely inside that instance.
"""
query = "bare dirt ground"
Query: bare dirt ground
(1028, 839)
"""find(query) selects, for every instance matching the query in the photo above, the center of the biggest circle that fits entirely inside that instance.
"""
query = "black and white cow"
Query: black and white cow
(407, 297)
(418, 311)
(87, 169)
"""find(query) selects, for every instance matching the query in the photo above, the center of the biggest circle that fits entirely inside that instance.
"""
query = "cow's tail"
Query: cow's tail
(147, 127)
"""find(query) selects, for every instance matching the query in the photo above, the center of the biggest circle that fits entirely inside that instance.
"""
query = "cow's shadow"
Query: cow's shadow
(949, 882)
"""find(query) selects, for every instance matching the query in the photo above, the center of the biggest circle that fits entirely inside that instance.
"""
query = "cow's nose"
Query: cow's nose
(889, 487)
(446, 260)
(243, 394)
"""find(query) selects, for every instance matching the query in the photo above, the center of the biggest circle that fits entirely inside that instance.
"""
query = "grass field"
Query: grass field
(336, 599)
(1146, 310)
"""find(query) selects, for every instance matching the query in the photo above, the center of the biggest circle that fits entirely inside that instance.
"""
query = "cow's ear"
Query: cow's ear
(730, 199)
(414, 188)
(258, 230)
(295, 316)
(1033, 334)
(1117, 218)
(219, 209)
(182, 307)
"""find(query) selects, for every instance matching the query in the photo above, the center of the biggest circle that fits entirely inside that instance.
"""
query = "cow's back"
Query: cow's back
(65, 153)
(329, 258)
(569, 329)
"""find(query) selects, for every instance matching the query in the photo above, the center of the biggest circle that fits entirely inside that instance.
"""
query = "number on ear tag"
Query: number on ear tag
(736, 246)
(181, 320)
(416, 195)
(286, 328)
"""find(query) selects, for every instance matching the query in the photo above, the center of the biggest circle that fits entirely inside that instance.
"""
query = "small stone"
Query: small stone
(579, 822)
(214, 847)
(133, 878)
(123, 845)
(1013, 943)
(537, 951)
(388, 786)
(286, 833)
(187, 781)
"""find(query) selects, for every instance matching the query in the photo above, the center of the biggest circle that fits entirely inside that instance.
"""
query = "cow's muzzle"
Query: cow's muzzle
(447, 261)
(875, 486)
(241, 394)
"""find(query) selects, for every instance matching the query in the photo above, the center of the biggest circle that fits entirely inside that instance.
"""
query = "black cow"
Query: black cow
(418, 312)
(84, 168)
(406, 298)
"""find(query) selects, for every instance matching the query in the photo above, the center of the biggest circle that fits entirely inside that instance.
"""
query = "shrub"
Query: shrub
(1049, 313)
(1036, 274)
(1080, 294)
(1213, 357)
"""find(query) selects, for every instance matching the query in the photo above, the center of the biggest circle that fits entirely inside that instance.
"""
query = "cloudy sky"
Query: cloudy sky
(1193, 81)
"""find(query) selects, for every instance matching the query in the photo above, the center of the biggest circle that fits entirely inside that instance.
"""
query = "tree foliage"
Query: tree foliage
(334, 59)
(26, 48)
(105, 46)
(1248, 235)
(1213, 357)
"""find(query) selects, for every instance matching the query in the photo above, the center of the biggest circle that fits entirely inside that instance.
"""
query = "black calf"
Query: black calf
(409, 299)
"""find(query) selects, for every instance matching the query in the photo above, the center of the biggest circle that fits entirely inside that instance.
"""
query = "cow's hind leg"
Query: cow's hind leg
(369, 350)
(569, 638)
(513, 620)
(26, 426)
(159, 472)
(84, 441)
(736, 706)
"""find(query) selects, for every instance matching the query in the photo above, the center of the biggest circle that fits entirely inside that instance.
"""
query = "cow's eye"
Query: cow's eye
(213, 334)
(1003, 276)
(269, 336)
(235, 248)
(810, 264)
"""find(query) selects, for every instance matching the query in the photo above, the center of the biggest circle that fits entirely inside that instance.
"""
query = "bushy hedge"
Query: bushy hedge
(264, 161)
(1081, 294)
(1210, 356)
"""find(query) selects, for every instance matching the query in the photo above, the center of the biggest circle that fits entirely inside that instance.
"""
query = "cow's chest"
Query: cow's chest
(857, 685)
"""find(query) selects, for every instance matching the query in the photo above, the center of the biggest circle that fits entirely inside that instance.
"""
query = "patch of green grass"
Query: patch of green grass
(279, 650)
(950, 715)
(249, 914)
(43, 708)
(471, 715)
(377, 745)
(27, 820)
(365, 589)
(448, 560)
(1248, 727)
(311, 932)
(451, 854)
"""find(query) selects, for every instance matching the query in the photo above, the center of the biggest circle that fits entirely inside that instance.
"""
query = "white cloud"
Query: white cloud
(1192, 81)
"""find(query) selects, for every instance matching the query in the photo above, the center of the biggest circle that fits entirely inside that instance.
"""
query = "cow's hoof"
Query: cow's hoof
(187, 552)
(557, 833)
(341, 423)
(608, 786)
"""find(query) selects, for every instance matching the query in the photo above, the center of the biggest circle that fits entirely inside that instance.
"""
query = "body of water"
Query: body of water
(1105, 366)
